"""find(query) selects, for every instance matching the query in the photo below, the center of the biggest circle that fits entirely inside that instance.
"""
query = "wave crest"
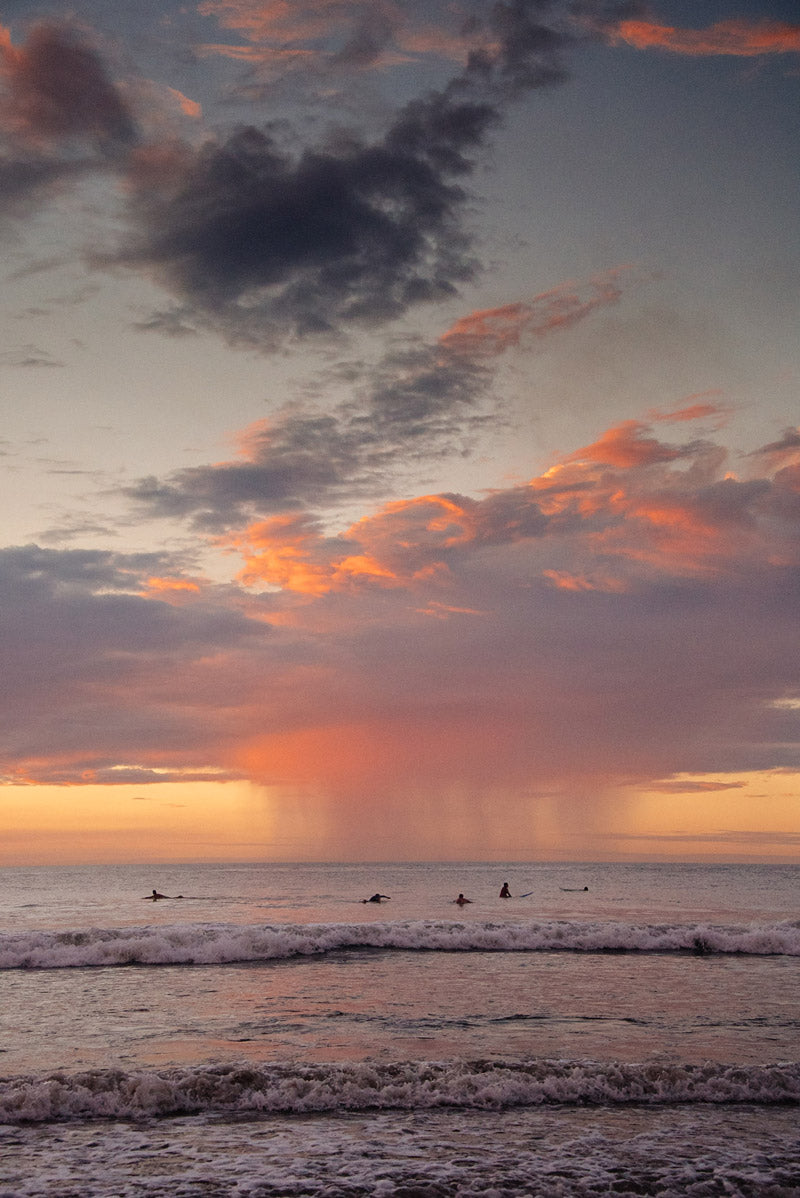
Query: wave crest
(220, 944)
(300, 1088)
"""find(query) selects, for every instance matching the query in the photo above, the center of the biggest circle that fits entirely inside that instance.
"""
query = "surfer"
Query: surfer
(505, 892)
(461, 900)
(376, 898)
(155, 896)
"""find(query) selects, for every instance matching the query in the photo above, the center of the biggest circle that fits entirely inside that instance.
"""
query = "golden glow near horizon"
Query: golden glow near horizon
(171, 821)
(752, 817)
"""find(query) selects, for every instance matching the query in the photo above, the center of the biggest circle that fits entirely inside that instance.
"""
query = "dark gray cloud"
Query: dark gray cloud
(257, 242)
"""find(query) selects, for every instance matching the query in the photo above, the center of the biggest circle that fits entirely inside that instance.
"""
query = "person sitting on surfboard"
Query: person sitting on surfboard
(505, 892)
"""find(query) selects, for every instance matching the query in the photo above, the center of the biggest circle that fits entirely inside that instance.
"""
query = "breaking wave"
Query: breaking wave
(409, 1085)
(217, 943)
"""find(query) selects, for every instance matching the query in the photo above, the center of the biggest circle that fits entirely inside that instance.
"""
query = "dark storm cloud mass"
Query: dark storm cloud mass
(256, 242)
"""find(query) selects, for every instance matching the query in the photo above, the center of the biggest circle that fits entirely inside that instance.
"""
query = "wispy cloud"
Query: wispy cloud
(737, 37)
(420, 401)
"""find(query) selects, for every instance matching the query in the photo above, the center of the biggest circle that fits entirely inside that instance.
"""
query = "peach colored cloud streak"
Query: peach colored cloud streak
(735, 37)
(278, 33)
(488, 332)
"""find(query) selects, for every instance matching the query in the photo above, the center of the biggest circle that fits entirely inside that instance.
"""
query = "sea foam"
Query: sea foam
(407, 1085)
(219, 943)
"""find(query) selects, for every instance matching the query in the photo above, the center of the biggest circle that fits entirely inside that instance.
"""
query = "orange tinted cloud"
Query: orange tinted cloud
(696, 407)
(399, 546)
(275, 20)
(172, 590)
(741, 38)
(491, 331)
(188, 107)
(668, 532)
(626, 502)
(278, 32)
(279, 552)
(626, 445)
(443, 611)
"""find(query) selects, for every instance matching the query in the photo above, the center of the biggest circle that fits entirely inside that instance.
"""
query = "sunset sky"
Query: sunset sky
(400, 453)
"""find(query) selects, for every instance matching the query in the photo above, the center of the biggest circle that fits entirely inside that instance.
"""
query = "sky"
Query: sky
(400, 453)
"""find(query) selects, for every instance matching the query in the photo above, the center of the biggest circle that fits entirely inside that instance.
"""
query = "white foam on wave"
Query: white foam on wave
(217, 943)
(408, 1085)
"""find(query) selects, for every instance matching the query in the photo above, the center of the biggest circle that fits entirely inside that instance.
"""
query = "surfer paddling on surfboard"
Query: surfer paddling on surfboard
(155, 896)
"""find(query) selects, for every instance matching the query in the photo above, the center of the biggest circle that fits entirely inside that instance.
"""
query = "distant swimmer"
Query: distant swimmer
(461, 900)
(505, 892)
(376, 898)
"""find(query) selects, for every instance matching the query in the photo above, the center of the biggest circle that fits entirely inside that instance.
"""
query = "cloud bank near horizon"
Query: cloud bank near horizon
(604, 621)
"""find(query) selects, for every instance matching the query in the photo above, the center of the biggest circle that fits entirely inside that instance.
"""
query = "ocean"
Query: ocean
(611, 1029)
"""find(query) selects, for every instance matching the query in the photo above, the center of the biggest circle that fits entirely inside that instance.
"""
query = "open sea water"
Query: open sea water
(621, 1029)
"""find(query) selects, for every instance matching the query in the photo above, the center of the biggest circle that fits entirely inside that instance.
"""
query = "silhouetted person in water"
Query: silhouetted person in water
(505, 892)
(461, 900)
(376, 898)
